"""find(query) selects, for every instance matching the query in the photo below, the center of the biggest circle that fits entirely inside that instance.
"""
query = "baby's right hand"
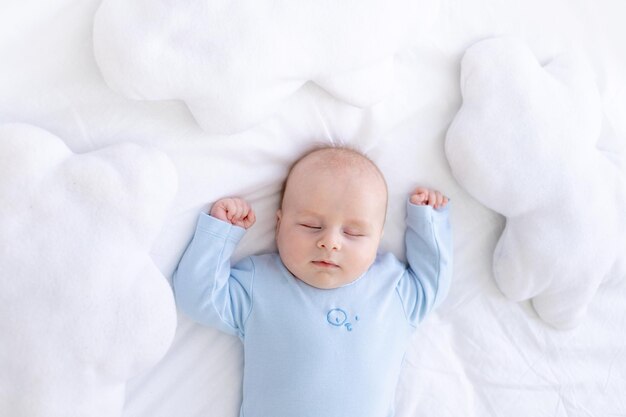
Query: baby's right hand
(235, 211)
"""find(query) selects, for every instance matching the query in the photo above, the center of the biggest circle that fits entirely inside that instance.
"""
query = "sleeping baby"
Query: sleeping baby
(325, 321)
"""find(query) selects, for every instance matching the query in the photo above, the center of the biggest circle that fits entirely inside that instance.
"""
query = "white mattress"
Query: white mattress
(480, 354)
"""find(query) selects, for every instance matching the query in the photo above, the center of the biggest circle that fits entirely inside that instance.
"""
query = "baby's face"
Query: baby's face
(330, 224)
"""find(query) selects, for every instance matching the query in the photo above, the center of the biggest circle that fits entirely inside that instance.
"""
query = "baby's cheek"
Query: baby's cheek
(365, 257)
(292, 251)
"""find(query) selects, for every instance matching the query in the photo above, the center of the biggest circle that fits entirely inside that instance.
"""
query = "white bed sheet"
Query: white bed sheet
(479, 355)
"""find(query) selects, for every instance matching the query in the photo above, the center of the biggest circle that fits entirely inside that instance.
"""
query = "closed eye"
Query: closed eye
(310, 226)
(353, 233)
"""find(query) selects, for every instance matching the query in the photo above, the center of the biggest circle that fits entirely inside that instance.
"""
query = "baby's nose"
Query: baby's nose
(330, 241)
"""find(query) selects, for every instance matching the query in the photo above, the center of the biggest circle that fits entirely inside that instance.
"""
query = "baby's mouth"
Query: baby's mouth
(325, 264)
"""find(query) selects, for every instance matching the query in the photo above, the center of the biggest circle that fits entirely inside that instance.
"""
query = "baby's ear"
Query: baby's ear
(279, 214)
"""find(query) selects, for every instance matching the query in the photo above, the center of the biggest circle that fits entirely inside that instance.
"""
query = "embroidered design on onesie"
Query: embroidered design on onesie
(338, 317)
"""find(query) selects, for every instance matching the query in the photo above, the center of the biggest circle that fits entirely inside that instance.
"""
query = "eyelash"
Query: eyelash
(319, 228)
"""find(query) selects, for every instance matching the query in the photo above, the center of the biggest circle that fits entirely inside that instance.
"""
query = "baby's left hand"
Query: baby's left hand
(424, 196)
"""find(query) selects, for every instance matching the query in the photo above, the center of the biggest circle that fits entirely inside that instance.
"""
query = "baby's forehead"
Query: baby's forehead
(335, 164)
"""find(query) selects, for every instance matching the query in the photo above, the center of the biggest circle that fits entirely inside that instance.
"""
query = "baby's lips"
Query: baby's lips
(325, 263)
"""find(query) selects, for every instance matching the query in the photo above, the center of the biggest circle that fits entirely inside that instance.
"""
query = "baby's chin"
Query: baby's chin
(326, 281)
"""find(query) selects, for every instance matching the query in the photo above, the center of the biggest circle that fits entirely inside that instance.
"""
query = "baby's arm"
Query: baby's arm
(429, 254)
(206, 288)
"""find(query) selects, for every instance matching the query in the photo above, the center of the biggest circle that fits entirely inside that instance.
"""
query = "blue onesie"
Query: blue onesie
(311, 352)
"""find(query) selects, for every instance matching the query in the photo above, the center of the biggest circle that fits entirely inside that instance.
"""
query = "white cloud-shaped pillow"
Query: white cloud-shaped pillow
(523, 144)
(234, 62)
(82, 306)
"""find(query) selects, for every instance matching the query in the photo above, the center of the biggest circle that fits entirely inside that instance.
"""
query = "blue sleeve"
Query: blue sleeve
(426, 281)
(206, 288)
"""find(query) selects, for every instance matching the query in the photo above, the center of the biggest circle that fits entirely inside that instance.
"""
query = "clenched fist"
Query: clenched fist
(235, 211)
